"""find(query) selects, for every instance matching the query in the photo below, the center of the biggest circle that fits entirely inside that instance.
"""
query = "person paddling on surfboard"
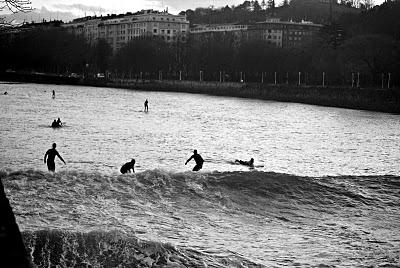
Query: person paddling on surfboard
(246, 163)
(198, 159)
(127, 167)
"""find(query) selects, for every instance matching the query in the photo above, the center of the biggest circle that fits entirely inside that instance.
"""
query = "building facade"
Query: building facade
(237, 33)
(118, 30)
(285, 34)
(279, 33)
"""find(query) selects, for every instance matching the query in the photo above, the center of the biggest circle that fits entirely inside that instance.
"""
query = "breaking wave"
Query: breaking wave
(165, 219)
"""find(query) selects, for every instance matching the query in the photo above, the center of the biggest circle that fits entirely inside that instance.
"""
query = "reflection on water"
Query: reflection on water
(106, 127)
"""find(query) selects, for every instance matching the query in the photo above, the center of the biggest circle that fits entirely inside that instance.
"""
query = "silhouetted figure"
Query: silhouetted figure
(146, 105)
(59, 122)
(127, 167)
(51, 154)
(54, 94)
(246, 163)
(54, 124)
(198, 159)
(6, 93)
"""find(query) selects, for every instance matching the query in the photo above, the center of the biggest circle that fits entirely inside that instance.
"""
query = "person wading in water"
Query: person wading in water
(51, 154)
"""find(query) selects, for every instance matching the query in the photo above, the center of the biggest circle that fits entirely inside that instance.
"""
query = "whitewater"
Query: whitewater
(325, 191)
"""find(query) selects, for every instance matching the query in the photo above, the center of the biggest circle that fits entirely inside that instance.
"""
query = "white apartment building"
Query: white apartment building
(118, 30)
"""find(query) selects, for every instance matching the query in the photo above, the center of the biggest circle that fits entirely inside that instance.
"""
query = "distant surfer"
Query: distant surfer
(146, 105)
(54, 94)
(6, 93)
(127, 167)
(246, 163)
(54, 124)
(57, 123)
(51, 154)
(198, 159)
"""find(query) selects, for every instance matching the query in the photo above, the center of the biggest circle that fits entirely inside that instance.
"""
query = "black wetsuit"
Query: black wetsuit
(51, 154)
(127, 166)
(199, 162)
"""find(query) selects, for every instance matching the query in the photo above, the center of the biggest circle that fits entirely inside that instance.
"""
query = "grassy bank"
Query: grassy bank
(372, 99)
(383, 100)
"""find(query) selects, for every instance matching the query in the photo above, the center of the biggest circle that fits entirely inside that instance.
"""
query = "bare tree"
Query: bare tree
(16, 5)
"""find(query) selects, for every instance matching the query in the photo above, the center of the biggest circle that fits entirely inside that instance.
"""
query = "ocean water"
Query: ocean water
(325, 191)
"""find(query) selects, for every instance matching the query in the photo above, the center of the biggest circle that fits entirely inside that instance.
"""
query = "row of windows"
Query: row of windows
(167, 19)
(163, 31)
(272, 37)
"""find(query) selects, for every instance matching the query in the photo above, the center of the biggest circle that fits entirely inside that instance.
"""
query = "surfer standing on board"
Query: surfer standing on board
(128, 166)
(198, 159)
(51, 154)
(146, 105)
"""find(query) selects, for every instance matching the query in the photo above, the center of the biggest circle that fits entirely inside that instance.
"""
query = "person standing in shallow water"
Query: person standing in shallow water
(54, 94)
(51, 155)
(198, 159)
(146, 105)
(127, 167)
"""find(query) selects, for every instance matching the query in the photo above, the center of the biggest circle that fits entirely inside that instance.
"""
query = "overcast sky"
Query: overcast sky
(122, 6)
(67, 10)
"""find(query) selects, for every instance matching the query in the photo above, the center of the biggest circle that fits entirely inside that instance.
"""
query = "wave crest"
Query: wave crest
(54, 248)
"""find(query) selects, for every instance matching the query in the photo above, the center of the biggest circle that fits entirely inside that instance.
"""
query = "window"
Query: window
(168, 31)
(155, 31)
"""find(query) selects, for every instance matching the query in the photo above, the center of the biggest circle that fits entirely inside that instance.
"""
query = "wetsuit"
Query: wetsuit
(199, 162)
(127, 166)
(51, 154)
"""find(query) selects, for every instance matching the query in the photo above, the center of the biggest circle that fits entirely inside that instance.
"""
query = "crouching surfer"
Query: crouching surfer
(127, 167)
(249, 163)
(198, 159)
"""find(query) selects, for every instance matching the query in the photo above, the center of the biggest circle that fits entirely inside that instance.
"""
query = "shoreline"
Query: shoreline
(369, 99)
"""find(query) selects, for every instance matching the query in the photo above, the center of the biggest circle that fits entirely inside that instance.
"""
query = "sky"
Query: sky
(67, 10)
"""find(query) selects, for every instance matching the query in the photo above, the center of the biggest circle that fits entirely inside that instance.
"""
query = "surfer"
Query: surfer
(246, 163)
(55, 124)
(146, 105)
(51, 154)
(6, 93)
(54, 94)
(59, 123)
(198, 159)
(128, 166)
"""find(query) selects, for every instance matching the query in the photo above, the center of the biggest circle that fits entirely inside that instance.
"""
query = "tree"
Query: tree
(256, 6)
(263, 5)
(14, 6)
(373, 53)
(271, 4)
